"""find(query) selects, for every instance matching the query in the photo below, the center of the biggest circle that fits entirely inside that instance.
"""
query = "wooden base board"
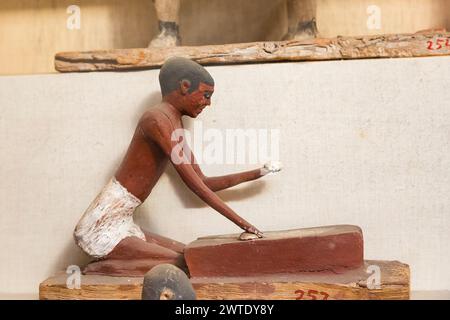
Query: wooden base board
(351, 285)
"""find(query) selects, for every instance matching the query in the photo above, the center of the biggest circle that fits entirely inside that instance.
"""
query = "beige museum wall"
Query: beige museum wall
(32, 31)
(363, 142)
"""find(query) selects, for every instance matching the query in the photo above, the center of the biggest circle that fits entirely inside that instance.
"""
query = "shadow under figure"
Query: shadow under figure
(107, 231)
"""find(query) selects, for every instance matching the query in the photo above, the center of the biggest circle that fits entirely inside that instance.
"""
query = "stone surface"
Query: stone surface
(330, 249)
(167, 282)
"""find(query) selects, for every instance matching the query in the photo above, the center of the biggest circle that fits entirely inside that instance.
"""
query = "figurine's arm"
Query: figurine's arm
(227, 181)
(230, 180)
(160, 130)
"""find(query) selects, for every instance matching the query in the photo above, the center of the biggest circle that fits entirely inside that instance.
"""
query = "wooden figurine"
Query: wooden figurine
(301, 21)
(107, 231)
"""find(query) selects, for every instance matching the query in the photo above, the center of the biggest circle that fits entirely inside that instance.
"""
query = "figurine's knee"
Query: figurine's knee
(165, 242)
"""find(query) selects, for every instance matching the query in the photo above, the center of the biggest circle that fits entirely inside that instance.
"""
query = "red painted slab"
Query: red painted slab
(333, 249)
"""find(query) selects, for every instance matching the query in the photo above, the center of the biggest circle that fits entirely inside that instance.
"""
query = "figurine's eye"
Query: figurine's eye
(207, 95)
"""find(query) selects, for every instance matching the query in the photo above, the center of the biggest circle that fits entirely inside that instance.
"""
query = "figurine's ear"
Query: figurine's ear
(185, 85)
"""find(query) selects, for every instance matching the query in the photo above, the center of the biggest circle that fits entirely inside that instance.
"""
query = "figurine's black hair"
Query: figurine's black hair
(177, 69)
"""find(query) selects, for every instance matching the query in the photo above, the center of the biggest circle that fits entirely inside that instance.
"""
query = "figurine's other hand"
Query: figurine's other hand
(271, 167)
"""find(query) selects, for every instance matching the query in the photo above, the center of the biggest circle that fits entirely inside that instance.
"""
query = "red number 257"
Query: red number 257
(312, 294)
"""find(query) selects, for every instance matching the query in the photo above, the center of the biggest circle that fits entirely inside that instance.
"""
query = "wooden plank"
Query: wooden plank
(394, 284)
(333, 248)
(424, 44)
(351, 285)
(92, 287)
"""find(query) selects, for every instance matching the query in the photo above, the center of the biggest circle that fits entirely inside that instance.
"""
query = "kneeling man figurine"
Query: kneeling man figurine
(107, 231)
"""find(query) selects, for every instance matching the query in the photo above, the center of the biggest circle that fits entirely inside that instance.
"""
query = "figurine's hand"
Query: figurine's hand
(271, 167)
(252, 229)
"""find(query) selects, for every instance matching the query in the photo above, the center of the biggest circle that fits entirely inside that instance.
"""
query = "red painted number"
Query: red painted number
(301, 293)
(438, 43)
(312, 294)
(325, 295)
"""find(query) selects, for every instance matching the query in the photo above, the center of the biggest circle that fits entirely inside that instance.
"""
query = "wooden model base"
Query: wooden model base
(305, 286)
(351, 285)
(321, 263)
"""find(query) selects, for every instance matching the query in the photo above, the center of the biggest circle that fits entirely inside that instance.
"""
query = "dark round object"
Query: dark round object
(167, 282)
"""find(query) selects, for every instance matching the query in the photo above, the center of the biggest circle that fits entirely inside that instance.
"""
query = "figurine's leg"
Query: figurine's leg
(136, 248)
(301, 20)
(167, 12)
(164, 242)
(134, 257)
(128, 268)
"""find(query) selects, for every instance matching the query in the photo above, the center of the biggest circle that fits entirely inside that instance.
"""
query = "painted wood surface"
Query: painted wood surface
(333, 248)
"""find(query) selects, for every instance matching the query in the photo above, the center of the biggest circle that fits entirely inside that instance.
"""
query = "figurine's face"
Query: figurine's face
(195, 102)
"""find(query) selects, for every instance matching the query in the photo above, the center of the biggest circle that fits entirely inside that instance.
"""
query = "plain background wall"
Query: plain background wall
(32, 31)
(362, 142)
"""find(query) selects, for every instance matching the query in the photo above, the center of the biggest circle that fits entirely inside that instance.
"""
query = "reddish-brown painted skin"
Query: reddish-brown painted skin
(145, 161)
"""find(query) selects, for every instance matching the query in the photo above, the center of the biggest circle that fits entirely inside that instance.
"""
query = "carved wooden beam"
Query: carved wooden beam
(424, 44)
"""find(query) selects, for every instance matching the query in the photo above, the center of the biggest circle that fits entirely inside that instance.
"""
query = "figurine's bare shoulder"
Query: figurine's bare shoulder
(154, 116)
(157, 126)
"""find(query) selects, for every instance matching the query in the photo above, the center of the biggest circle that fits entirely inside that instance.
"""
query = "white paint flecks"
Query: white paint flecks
(271, 167)
(108, 220)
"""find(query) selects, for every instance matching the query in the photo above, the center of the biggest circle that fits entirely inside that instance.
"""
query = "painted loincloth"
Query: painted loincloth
(107, 221)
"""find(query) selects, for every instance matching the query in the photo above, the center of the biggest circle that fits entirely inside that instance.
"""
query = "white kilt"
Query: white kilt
(108, 220)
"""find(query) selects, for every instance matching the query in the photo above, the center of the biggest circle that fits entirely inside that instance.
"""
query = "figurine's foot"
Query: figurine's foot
(164, 41)
(168, 37)
(305, 31)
